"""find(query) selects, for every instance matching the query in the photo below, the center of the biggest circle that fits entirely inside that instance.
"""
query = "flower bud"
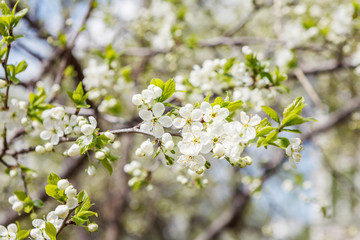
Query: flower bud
(91, 170)
(87, 129)
(12, 228)
(128, 168)
(74, 150)
(62, 211)
(100, 155)
(248, 160)
(2, 83)
(92, 227)
(13, 172)
(77, 130)
(13, 199)
(169, 145)
(147, 148)
(18, 206)
(36, 233)
(39, 149)
(63, 184)
(219, 150)
(72, 203)
(110, 136)
(70, 192)
(139, 153)
(137, 99)
(58, 112)
(48, 147)
(136, 173)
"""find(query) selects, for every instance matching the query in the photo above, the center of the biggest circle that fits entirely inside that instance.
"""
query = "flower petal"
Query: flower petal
(179, 122)
(255, 120)
(158, 130)
(165, 121)
(196, 115)
(146, 115)
(158, 109)
(244, 118)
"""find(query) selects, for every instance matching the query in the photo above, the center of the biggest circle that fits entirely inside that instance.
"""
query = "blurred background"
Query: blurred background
(123, 44)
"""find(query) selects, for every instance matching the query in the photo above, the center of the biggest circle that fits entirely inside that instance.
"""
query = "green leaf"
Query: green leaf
(38, 203)
(157, 82)
(5, 10)
(271, 112)
(294, 108)
(22, 234)
(84, 214)
(281, 142)
(78, 221)
(53, 179)
(20, 195)
(291, 130)
(50, 230)
(207, 98)
(107, 165)
(84, 198)
(228, 65)
(295, 120)
(21, 67)
(264, 131)
(168, 91)
(271, 137)
(19, 15)
(234, 105)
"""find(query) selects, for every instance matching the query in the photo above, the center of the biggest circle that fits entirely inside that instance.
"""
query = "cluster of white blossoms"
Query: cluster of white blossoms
(16, 115)
(293, 151)
(87, 128)
(206, 131)
(17, 205)
(57, 216)
(57, 124)
(238, 80)
(138, 173)
(9, 232)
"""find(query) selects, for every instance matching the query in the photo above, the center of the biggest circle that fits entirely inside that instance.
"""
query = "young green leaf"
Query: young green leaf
(50, 230)
(271, 112)
(168, 91)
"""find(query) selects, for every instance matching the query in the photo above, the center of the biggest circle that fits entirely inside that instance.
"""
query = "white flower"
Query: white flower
(70, 192)
(293, 151)
(215, 113)
(193, 162)
(58, 112)
(248, 129)
(146, 149)
(92, 227)
(154, 121)
(40, 149)
(2, 83)
(190, 117)
(74, 150)
(88, 129)
(194, 142)
(147, 96)
(8, 233)
(100, 155)
(63, 184)
(62, 211)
